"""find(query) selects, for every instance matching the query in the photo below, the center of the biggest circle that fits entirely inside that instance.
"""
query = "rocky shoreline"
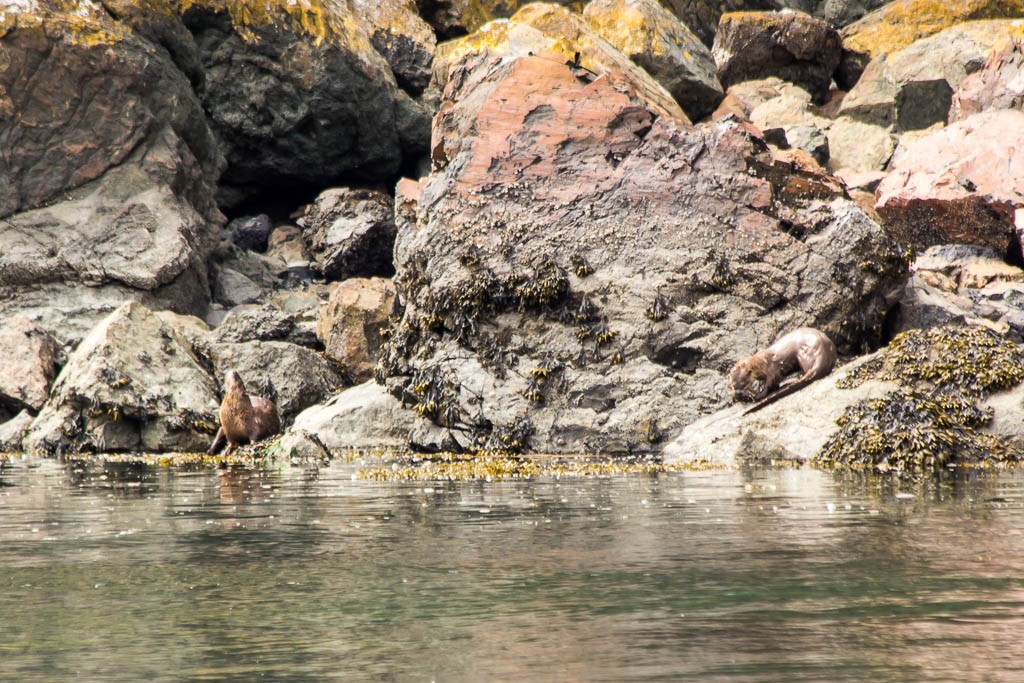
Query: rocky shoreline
(555, 231)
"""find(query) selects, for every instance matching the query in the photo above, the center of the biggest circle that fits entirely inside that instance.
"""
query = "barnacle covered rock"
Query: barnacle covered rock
(134, 383)
(584, 267)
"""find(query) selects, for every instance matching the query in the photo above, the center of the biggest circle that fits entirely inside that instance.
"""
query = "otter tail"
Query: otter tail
(781, 393)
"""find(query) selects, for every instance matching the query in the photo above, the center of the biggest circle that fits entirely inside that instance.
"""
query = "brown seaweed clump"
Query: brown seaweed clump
(933, 420)
(500, 466)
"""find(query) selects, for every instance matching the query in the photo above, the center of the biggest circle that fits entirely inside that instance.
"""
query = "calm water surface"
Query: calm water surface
(131, 573)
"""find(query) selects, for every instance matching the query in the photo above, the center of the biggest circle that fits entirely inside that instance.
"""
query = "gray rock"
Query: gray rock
(254, 323)
(858, 146)
(362, 417)
(124, 237)
(963, 284)
(793, 428)
(351, 233)
(134, 383)
(76, 111)
(296, 109)
(402, 37)
(251, 232)
(232, 288)
(13, 431)
(106, 182)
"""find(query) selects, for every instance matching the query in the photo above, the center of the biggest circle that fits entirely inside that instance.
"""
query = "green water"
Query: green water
(294, 574)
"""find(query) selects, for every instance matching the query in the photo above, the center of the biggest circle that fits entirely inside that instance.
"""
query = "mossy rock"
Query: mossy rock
(933, 419)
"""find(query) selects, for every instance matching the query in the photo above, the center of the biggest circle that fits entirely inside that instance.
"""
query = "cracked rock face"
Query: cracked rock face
(580, 272)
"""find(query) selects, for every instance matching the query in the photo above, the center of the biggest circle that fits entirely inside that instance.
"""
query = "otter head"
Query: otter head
(746, 381)
(233, 383)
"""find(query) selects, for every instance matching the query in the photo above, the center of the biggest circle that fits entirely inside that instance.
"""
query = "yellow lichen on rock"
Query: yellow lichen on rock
(898, 24)
(328, 21)
(544, 26)
(89, 23)
(629, 30)
(80, 23)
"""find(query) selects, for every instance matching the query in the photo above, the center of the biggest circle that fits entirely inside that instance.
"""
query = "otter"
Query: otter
(753, 378)
(243, 418)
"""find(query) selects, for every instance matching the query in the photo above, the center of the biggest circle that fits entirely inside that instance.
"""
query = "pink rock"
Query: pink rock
(30, 362)
(960, 185)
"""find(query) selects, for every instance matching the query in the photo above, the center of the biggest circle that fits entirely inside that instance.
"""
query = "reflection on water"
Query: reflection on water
(129, 573)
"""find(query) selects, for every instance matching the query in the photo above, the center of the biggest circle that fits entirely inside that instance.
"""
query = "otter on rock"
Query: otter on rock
(243, 418)
(753, 378)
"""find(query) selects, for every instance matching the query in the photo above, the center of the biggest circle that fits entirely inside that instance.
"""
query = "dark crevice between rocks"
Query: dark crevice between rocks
(279, 204)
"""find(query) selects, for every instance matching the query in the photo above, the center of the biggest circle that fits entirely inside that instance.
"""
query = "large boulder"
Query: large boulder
(564, 35)
(579, 272)
(299, 96)
(913, 88)
(658, 41)
(135, 383)
(794, 46)
(353, 323)
(962, 184)
(897, 24)
(31, 360)
(999, 85)
(107, 184)
(351, 233)
(365, 416)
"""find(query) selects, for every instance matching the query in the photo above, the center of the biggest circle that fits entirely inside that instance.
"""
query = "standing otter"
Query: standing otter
(755, 377)
(243, 418)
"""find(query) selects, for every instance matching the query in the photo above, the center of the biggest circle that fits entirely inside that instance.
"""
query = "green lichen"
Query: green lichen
(932, 420)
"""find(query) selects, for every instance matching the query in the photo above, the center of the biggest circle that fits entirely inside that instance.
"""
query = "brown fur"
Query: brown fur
(243, 418)
(805, 348)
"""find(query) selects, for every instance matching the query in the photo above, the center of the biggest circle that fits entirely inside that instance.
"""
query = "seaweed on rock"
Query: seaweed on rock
(932, 420)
